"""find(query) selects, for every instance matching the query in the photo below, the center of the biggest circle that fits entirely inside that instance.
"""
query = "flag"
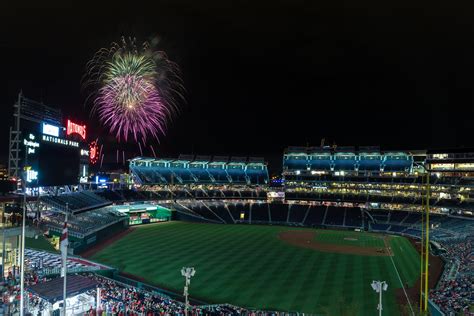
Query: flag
(63, 243)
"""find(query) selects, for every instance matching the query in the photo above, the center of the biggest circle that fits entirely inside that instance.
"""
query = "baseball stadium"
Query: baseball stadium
(340, 231)
(163, 177)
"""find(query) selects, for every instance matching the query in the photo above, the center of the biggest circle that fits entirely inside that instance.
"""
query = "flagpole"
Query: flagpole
(65, 262)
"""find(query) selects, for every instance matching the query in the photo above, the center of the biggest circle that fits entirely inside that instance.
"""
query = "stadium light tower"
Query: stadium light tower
(379, 287)
(187, 273)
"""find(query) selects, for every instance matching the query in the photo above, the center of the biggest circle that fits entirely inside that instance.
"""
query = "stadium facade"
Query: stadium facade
(381, 179)
(190, 169)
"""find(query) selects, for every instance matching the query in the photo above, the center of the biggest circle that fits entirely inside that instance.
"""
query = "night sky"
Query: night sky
(260, 76)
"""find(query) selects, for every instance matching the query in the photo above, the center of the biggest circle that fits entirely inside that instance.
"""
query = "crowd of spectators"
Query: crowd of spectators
(118, 299)
(10, 290)
(454, 293)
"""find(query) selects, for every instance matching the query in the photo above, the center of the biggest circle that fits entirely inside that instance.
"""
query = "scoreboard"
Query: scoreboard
(55, 155)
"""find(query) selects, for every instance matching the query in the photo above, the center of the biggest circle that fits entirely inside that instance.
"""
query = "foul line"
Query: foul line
(403, 287)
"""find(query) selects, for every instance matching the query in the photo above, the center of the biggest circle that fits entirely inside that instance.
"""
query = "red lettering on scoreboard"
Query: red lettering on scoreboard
(73, 128)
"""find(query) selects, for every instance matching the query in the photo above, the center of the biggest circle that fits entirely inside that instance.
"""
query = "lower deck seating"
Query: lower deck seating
(335, 216)
(380, 227)
(315, 215)
(310, 215)
(259, 212)
(297, 212)
(353, 217)
(279, 213)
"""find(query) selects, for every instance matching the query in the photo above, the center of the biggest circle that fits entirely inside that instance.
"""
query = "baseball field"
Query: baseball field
(270, 267)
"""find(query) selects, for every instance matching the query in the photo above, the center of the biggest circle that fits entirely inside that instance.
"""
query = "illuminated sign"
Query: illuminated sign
(51, 130)
(84, 152)
(60, 141)
(31, 174)
(73, 128)
(30, 144)
(93, 152)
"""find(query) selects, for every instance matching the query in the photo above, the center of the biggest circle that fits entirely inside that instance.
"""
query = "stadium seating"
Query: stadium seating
(315, 215)
(335, 216)
(302, 160)
(82, 224)
(279, 213)
(353, 218)
(199, 170)
(443, 227)
(380, 227)
(259, 213)
(221, 212)
(397, 228)
(397, 216)
(75, 202)
(297, 213)
(110, 195)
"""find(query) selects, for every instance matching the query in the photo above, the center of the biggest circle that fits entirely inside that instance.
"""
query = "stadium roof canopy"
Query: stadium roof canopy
(52, 291)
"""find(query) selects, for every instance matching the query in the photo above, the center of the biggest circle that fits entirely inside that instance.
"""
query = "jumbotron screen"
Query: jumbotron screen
(57, 164)
(51, 160)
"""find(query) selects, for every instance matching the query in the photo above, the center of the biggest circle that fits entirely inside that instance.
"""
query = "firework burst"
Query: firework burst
(137, 90)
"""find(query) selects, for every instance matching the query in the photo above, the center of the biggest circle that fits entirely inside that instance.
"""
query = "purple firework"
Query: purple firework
(138, 90)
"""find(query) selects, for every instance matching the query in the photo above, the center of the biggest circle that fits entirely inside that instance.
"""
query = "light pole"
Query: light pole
(379, 287)
(22, 249)
(187, 273)
(425, 240)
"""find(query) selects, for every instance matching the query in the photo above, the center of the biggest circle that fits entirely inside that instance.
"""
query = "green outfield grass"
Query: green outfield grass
(250, 266)
(349, 238)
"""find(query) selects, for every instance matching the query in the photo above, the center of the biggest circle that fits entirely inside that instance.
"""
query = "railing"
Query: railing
(57, 270)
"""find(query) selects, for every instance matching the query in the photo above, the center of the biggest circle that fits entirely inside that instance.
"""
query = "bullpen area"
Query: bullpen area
(270, 267)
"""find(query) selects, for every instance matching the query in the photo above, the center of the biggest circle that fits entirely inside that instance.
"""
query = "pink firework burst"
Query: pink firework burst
(138, 89)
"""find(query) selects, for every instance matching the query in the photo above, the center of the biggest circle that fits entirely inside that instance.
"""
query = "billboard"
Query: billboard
(58, 164)
(54, 159)
(50, 130)
(74, 128)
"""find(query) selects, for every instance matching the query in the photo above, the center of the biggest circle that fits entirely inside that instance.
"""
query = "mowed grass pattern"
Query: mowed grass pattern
(348, 238)
(249, 266)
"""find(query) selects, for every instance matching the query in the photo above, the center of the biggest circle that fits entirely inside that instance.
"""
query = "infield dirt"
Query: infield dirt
(307, 240)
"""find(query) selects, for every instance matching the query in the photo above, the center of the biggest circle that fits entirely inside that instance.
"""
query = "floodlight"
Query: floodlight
(375, 286)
